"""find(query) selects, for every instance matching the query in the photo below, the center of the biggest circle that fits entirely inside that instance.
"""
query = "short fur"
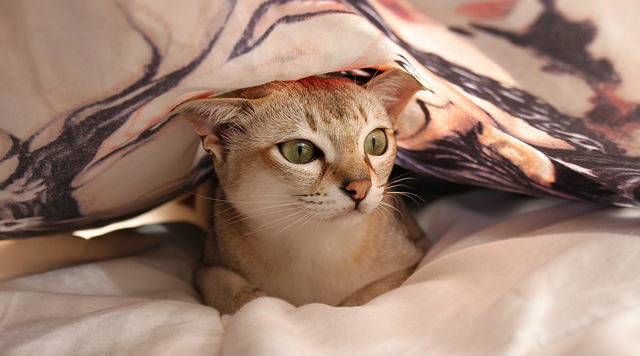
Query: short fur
(291, 230)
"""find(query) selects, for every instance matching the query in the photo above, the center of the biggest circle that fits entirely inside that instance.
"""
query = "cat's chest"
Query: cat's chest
(324, 269)
(308, 276)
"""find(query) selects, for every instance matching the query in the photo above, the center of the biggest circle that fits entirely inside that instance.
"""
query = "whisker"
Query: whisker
(291, 224)
(276, 222)
(241, 218)
(277, 206)
(398, 185)
(409, 195)
(394, 181)
(231, 206)
(403, 175)
(194, 193)
(271, 208)
(278, 195)
(390, 206)
(405, 179)
(235, 201)
(378, 210)
(384, 209)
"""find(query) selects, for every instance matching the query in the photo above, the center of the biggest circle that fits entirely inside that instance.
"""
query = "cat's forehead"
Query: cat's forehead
(327, 103)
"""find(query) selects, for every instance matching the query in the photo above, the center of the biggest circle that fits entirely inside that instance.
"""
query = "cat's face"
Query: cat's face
(319, 150)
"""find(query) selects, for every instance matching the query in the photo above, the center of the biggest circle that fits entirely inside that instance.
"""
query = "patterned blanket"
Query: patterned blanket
(540, 97)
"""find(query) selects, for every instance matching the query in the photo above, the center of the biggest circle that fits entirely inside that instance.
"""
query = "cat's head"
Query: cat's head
(319, 149)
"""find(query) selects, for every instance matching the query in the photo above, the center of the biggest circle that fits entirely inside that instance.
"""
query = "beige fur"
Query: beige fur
(292, 230)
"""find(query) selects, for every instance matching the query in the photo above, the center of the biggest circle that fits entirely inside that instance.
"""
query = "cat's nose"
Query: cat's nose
(357, 189)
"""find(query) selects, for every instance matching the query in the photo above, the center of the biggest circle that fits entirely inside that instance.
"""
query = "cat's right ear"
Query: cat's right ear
(394, 88)
(215, 120)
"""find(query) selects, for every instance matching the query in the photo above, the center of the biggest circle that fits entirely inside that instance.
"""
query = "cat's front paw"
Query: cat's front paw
(245, 296)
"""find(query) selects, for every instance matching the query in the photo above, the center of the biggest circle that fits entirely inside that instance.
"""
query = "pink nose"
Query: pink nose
(358, 189)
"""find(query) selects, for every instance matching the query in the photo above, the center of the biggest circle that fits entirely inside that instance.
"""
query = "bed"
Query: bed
(507, 274)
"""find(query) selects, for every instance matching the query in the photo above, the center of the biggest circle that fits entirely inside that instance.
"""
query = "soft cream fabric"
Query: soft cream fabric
(506, 275)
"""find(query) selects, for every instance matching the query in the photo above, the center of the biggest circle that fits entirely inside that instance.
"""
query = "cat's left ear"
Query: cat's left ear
(216, 120)
(394, 88)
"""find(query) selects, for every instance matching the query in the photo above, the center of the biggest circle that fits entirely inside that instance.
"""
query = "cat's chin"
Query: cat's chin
(346, 219)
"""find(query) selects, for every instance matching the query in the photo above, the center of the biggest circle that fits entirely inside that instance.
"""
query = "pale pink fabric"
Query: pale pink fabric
(537, 97)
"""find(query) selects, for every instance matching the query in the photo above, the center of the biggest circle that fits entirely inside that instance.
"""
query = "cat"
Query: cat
(302, 208)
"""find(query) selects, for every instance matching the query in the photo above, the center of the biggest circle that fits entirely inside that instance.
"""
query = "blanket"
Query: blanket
(534, 96)
(519, 276)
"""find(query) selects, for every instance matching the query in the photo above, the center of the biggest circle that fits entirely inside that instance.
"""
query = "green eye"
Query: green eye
(298, 151)
(376, 142)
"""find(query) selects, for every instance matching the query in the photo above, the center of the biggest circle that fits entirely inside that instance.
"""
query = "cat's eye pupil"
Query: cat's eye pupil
(376, 142)
(298, 151)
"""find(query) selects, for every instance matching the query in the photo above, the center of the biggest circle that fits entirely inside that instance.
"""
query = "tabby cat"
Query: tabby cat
(302, 209)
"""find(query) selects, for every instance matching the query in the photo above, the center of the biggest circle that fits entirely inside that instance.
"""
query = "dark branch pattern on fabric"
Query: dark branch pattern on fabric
(49, 171)
(469, 125)
(248, 41)
(617, 175)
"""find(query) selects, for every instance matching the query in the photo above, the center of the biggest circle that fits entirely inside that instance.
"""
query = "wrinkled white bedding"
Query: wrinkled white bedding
(506, 275)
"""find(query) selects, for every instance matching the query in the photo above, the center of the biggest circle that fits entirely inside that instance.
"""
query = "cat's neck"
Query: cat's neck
(324, 240)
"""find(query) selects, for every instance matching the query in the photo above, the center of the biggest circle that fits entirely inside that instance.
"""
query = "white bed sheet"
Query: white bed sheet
(506, 275)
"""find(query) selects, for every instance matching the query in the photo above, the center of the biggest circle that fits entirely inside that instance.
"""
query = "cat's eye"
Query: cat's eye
(376, 142)
(298, 151)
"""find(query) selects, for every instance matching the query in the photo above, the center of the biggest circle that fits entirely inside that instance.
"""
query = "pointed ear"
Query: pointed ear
(215, 119)
(394, 88)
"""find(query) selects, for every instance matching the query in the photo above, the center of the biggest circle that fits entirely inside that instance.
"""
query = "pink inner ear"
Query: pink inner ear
(394, 89)
(211, 143)
(401, 97)
(201, 127)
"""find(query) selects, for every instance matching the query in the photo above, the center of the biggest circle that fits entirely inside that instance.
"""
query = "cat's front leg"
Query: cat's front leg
(224, 289)
(374, 289)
